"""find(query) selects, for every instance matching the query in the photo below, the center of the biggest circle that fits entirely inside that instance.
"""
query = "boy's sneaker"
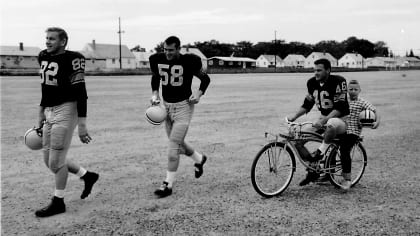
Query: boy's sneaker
(56, 206)
(310, 177)
(163, 190)
(199, 167)
(346, 185)
(90, 179)
(317, 155)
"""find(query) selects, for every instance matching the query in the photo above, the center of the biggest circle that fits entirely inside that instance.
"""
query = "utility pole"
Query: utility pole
(119, 34)
(275, 50)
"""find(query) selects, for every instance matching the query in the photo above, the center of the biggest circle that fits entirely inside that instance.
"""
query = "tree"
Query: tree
(411, 53)
(335, 48)
(381, 49)
(159, 47)
(138, 49)
(361, 46)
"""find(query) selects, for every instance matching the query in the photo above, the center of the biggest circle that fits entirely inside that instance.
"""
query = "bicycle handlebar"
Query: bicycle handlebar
(296, 123)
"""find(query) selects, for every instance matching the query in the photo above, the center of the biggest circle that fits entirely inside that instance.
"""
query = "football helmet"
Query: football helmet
(156, 114)
(367, 117)
(33, 138)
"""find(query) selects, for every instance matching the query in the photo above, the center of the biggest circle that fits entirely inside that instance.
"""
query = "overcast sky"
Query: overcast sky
(397, 22)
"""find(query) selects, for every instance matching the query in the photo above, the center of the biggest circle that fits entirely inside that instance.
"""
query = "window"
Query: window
(128, 62)
(231, 63)
(210, 62)
(113, 60)
(221, 63)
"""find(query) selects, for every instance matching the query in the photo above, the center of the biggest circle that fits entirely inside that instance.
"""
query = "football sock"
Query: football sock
(323, 147)
(170, 178)
(197, 157)
(59, 193)
(82, 171)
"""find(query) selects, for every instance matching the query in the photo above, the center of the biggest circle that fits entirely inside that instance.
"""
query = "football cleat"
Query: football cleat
(56, 206)
(163, 190)
(310, 177)
(156, 114)
(90, 179)
(33, 138)
(199, 167)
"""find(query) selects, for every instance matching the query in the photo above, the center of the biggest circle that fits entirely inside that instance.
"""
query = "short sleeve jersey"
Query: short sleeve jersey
(175, 75)
(353, 123)
(332, 95)
(58, 78)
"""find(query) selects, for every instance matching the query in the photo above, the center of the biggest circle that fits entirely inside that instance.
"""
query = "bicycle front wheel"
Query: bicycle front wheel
(358, 165)
(272, 169)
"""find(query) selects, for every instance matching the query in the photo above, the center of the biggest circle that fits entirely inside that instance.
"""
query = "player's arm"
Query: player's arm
(155, 81)
(41, 116)
(79, 88)
(204, 80)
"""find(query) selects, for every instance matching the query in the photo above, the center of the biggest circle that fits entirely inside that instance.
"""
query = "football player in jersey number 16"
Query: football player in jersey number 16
(63, 107)
(175, 72)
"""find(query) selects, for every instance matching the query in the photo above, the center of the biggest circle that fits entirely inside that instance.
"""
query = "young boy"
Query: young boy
(354, 128)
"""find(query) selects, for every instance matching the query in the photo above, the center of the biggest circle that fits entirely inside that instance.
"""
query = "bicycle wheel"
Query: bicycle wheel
(272, 169)
(358, 165)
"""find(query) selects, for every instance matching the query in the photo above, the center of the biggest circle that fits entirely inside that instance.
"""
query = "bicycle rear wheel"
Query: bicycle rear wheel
(358, 165)
(272, 169)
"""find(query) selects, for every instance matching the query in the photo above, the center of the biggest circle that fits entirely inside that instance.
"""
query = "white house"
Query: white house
(142, 59)
(352, 60)
(19, 57)
(408, 62)
(265, 60)
(311, 58)
(231, 62)
(107, 56)
(383, 62)
(294, 60)
(196, 51)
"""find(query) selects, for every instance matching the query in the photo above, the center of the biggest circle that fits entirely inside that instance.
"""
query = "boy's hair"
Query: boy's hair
(325, 62)
(62, 34)
(353, 81)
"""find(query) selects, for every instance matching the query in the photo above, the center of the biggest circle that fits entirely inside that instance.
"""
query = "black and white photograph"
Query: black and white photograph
(166, 117)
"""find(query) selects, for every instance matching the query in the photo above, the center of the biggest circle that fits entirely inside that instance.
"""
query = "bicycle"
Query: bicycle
(274, 165)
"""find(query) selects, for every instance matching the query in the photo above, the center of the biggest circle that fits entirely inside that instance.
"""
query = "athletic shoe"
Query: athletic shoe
(345, 185)
(56, 206)
(163, 190)
(310, 177)
(199, 167)
(90, 179)
(317, 155)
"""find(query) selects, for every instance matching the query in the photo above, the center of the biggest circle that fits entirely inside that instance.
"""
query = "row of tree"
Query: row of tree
(281, 48)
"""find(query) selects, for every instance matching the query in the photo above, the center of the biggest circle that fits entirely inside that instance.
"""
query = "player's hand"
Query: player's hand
(155, 100)
(318, 125)
(83, 132)
(375, 125)
(41, 119)
(290, 118)
(195, 97)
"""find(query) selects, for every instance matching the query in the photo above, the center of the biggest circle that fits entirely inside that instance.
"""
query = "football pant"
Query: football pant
(58, 131)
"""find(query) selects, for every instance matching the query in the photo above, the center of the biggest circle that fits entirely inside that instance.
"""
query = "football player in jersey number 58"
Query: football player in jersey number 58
(175, 72)
(63, 107)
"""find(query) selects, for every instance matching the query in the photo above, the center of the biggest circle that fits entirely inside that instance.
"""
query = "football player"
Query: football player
(329, 93)
(354, 129)
(175, 72)
(63, 107)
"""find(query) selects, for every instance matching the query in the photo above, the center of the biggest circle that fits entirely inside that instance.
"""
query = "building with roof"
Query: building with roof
(381, 62)
(407, 61)
(352, 60)
(107, 56)
(265, 60)
(231, 62)
(294, 60)
(311, 58)
(196, 51)
(142, 59)
(19, 57)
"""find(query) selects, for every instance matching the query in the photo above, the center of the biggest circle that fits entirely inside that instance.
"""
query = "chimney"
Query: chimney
(20, 46)
(93, 45)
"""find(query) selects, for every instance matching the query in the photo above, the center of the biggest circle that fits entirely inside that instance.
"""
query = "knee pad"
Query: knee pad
(337, 124)
(58, 137)
(178, 132)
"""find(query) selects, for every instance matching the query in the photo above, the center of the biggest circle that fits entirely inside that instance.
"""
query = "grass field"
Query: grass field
(228, 126)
